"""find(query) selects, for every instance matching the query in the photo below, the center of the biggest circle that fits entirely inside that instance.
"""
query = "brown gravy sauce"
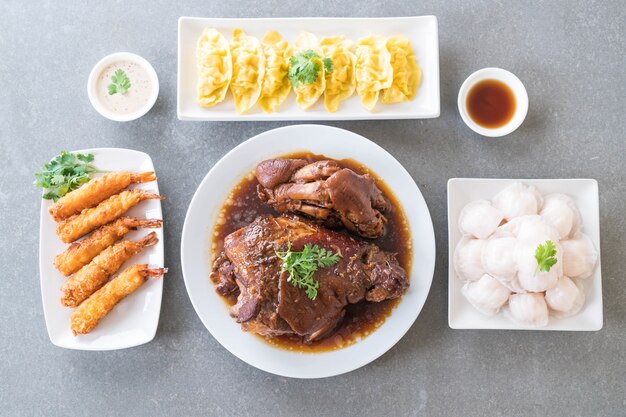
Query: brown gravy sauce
(242, 206)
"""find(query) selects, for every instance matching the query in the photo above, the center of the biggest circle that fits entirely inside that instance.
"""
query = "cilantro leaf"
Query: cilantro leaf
(120, 83)
(305, 66)
(545, 254)
(63, 174)
(302, 265)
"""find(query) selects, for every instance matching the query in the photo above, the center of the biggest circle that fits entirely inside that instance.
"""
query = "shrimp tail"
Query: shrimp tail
(148, 240)
(143, 177)
(149, 195)
(154, 273)
(150, 223)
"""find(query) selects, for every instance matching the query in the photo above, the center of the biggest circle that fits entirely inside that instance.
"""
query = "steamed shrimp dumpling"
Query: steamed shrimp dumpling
(566, 298)
(561, 212)
(341, 81)
(248, 70)
(308, 94)
(407, 74)
(518, 200)
(374, 72)
(467, 259)
(530, 277)
(528, 309)
(276, 85)
(487, 295)
(498, 257)
(215, 67)
(479, 219)
(579, 256)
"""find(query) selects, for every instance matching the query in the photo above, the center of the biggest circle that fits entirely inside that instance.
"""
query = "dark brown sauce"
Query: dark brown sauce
(243, 206)
(491, 103)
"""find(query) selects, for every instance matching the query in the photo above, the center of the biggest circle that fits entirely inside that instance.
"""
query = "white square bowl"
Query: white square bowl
(134, 320)
(584, 192)
(422, 31)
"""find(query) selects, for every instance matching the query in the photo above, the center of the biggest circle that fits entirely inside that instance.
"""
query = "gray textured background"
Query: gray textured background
(570, 55)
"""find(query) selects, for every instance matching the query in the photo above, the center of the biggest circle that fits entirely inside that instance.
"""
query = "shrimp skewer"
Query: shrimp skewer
(87, 316)
(97, 272)
(110, 209)
(95, 191)
(81, 253)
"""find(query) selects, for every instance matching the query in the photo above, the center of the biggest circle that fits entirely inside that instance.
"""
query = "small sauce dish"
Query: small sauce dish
(493, 102)
(137, 95)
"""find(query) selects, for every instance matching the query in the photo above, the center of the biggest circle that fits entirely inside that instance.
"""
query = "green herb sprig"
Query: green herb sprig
(120, 83)
(64, 173)
(304, 67)
(545, 254)
(302, 265)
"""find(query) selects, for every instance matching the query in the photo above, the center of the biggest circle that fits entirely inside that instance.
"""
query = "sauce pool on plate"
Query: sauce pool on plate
(137, 96)
(491, 103)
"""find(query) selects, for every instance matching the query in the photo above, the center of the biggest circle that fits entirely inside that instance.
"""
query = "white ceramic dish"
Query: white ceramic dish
(521, 99)
(201, 217)
(421, 30)
(584, 192)
(97, 70)
(134, 320)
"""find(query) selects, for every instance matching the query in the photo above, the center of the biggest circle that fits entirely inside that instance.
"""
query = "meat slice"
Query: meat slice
(324, 191)
(270, 305)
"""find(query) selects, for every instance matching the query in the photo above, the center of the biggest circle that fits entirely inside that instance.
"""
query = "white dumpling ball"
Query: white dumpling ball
(528, 273)
(467, 259)
(528, 309)
(518, 200)
(487, 295)
(498, 257)
(561, 212)
(479, 219)
(566, 298)
(579, 256)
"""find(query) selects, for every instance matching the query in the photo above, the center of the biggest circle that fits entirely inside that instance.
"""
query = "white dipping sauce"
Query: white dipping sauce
(137, 95)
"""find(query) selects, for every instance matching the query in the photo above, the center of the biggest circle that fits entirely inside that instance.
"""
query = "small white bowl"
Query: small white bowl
(521, 100)
(97, 70)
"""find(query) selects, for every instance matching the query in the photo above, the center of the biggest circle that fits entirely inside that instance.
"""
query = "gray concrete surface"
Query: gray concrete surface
(570, 55)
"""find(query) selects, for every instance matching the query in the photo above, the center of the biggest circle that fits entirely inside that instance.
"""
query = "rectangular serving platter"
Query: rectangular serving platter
(584, 192)
(422, 31)
(134, 320)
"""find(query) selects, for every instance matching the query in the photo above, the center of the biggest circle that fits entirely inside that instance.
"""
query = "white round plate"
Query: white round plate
(198, 229)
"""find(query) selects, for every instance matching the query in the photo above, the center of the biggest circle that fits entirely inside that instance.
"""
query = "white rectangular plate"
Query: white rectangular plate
(584, 192)
(134, 320)
(421, 30)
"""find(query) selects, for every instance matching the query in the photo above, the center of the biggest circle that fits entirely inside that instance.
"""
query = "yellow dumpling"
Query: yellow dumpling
(248, 70)
(276, 84)
(407, 74)
(340, 82)
(215, 67)
(373, 69)
(307, 95)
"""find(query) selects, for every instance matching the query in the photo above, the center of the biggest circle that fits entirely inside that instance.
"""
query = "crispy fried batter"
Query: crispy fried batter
(110, 209)
(95, 191)
(79, 254)
(96, 273)
(87, 316)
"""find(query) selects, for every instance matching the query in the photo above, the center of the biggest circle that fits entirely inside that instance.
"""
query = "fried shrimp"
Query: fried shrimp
(108, 210)
(87, 316)
(97, 272)
(95, 191)
(81, 253)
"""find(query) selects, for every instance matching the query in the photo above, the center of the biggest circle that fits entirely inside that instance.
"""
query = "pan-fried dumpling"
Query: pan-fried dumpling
(248, 70)
(215, 67)
(373, 69)
(341, 82)
(308, 94)
(276, 85)
(407, 74)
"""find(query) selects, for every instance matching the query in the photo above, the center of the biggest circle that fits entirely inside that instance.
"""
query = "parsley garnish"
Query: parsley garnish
(305, 66)
(545, 255)
(63, 174)
(302, 265)
(120, 83)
